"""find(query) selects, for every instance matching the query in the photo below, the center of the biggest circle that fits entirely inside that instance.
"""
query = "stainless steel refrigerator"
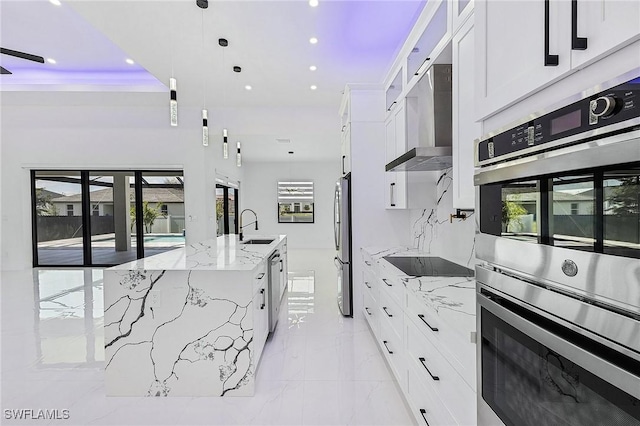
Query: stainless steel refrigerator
(342, 235)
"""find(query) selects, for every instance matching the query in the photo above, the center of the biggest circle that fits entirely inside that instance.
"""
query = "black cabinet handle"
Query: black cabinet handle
(367, 263)
(367, 284)
(391, 197)
(343, 157)
(264, 302)
(367, 309)
(280, 265)
(422, 413)
(391, 106)
(577, 43)
(549, 60)
(384, 308)
(423, 361)
(425, 321)
(260, 276)
(387, 282)
(384, 342)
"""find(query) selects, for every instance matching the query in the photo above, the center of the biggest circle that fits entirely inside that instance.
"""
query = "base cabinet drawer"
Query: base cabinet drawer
(439, 374)
(425, 405)
(391, 312)
(371, 283)
(393, 349)
(456, 347)
(370, 310)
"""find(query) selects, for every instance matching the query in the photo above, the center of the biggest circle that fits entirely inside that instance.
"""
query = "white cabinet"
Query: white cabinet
(284, 275)
(461, 10)
(513, 60)
(396, 145)
(465, 128)
(260, 309)
(345, 156)
(394, 90)
(430, 359)
(606, 25)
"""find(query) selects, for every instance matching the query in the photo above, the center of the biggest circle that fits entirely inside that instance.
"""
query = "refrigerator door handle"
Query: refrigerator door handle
(337, 262)
(336, 219)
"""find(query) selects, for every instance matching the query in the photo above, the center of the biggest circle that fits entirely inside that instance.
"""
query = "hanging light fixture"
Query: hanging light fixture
(203, 4)
(173, 101)
(225, 145)
(238, 155)
(223, 42)
(205, 128)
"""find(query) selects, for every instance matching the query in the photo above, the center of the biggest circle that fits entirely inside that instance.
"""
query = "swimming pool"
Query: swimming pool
(164, 238)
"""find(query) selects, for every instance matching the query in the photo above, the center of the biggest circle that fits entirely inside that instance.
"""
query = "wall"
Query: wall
(433, 232)
(97, 137)
(259, 193)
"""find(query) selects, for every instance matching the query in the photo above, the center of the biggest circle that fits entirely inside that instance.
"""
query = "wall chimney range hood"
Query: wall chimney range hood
(429, 126)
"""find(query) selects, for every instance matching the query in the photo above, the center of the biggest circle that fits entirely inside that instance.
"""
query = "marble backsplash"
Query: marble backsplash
(434, 233)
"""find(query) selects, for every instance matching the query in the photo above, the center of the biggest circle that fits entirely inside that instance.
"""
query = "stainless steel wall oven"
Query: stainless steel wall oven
(558, 287)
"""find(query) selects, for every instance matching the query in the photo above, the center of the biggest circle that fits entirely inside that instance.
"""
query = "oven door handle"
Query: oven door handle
(611, 373)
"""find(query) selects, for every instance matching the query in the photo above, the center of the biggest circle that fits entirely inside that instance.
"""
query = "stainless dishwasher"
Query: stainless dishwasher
(275, 269)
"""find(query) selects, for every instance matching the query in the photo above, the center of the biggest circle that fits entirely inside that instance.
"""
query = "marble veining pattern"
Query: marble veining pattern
(436, 234)
(184, 332)
(453, 299)
(195, 343)
(222, 253)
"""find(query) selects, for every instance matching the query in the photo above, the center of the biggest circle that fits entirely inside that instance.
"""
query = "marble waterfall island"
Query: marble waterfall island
(188, 322)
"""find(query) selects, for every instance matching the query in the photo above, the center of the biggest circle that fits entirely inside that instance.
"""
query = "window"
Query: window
(574, 208)
(164, 210)
(226, 208)
(295, 202)
(69, 209)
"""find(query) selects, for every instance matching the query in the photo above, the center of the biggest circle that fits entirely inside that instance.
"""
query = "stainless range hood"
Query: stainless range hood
(428, 124)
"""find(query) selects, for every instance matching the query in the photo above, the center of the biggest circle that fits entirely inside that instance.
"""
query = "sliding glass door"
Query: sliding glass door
(103, 218)
(58, 220)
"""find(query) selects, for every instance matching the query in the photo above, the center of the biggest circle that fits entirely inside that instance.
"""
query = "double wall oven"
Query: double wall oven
(558, 285)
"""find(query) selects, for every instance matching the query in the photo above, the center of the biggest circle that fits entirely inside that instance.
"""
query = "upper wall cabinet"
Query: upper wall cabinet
(433, 40)
(465, 129)
(523, 46)
(394, 91)
(461, 11)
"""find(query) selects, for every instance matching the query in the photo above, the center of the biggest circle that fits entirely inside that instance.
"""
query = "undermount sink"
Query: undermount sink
(257, 242)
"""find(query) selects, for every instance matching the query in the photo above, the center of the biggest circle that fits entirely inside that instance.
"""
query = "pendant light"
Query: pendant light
(225, 144)
(223, 42)
(203, 4)
(238, 155)
(173, 85)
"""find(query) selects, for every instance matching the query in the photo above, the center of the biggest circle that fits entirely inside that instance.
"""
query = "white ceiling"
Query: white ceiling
(269, 39)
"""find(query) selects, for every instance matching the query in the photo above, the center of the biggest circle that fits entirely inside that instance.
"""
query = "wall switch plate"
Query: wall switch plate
(154, 299)
(473, 336)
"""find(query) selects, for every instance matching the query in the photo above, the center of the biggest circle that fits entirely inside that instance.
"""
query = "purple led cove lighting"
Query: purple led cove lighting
(366, 28)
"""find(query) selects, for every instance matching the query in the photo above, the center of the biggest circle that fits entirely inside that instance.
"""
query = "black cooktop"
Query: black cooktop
(428, 267)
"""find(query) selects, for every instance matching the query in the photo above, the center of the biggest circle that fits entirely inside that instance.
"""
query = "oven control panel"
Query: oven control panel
(615, 110)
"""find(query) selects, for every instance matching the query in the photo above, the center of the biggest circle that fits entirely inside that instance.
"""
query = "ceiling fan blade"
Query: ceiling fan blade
(5, 71)
(22, 55)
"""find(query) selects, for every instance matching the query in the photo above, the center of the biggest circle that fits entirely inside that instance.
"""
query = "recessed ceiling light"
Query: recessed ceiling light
(248, 87)
(313, 68)
(51, 60)
(313, 3)
(129, 61)
(56, 2)
(313, 40)
(314, 87)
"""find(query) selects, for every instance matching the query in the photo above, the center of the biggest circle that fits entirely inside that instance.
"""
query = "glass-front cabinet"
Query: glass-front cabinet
(393, 91)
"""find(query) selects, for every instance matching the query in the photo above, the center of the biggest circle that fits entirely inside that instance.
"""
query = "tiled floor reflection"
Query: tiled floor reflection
(317, 368)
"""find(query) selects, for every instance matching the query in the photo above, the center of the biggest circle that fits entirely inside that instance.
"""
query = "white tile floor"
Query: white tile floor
(317, 369)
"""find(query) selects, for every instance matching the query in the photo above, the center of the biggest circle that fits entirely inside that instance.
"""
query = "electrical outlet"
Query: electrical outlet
(154, 299)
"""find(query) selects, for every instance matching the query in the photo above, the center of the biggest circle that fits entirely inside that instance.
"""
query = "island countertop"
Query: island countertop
(224, 253)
